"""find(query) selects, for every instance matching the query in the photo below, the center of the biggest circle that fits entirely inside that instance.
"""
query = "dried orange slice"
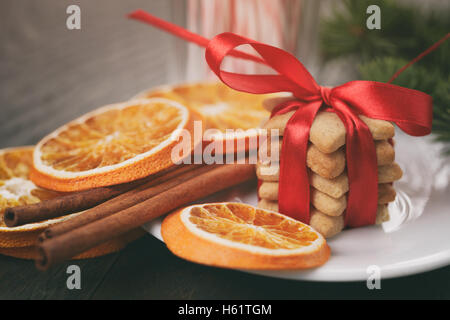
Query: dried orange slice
(221, 108)
(16, 189)
(237, 235)
(114, 144)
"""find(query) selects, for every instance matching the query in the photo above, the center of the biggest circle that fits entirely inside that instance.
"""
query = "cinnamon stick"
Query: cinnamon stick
(125, 200)
(57, 207)
(67, 245)
(70, 203)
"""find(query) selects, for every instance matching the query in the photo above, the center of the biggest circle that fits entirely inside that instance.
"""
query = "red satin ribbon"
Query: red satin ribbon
(411, 110)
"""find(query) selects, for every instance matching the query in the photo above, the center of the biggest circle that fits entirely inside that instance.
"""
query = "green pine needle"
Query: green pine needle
(405, 32)
(433, 82)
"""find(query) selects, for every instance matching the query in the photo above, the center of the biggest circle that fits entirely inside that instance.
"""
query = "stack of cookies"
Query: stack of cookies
(327, 168)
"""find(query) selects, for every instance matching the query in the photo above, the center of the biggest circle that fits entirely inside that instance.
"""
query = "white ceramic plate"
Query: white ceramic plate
(417, 238)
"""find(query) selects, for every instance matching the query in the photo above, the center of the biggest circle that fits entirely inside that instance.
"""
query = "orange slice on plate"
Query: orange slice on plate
(16, 189)
(220, 107)
(237, 235)
(114, 144)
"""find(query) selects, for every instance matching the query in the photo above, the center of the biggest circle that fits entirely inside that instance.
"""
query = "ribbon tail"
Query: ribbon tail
(362, 171)
(293, 189)
(187, 35)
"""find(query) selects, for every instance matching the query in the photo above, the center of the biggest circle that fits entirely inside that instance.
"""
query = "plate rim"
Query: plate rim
(410, 267)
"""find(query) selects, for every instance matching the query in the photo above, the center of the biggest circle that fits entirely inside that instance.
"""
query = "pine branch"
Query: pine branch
(431, 81)
(405, 32)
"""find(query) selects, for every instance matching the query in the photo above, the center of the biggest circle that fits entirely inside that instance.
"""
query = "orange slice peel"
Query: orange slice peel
(221, 108)
(114, 144)
(16, 189)
(237, 235)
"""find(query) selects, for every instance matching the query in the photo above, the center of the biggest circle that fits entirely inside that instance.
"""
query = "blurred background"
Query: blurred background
(49, 74)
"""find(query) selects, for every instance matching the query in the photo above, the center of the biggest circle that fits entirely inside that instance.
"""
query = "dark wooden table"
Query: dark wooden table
(50, 75)
(147, 270)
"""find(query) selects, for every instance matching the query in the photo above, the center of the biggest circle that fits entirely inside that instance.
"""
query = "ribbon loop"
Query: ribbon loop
(291, 75)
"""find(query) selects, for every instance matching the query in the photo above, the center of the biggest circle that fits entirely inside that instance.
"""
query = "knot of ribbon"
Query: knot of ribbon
(410, 109)
(325, 94)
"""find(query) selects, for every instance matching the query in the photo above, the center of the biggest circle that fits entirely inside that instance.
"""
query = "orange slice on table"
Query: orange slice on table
(114, 144)
(237, 235)
(15, 190)
(221, 108)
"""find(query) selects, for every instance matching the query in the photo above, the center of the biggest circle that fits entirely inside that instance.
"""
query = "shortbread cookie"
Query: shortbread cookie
(327, 225)
(320, 200)
(326, 204)
(328, 132)
(382, 214)
(329, 140)
(278, 122)
(389, 173)
(268, 205)
(380, 129)
(328, 165)
(265, 149)
(335, 188)
(386, 193)
(268, 172)
(386, 174)
(385, 152)
(268, 191)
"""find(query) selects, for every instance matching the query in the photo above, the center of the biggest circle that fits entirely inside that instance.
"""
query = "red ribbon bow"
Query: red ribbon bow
(410, 109)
